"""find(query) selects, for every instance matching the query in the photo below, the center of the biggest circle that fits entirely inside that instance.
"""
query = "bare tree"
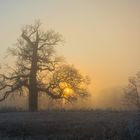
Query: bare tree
(68, 83)
(132, 91)
(37, 68)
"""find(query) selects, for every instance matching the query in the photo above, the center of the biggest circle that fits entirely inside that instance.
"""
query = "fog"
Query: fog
(101, 40)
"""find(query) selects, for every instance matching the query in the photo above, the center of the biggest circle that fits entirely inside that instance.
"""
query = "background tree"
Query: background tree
(68, 83)
(38, 69)
(132, 91)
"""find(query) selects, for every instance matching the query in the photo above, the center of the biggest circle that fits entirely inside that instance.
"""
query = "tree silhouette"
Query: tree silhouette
(132, 91)
(68, 83)
(39, 70)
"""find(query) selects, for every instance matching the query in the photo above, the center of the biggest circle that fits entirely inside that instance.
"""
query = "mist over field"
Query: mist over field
(101, 38)
(69, 70)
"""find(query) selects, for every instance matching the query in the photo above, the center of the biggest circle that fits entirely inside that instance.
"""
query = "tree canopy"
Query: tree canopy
(132, 91)
(39, 70)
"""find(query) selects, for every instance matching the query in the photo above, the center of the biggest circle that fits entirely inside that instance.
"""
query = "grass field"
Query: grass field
(70, 125)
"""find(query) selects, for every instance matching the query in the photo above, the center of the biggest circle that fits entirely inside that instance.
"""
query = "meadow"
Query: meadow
(70, 125)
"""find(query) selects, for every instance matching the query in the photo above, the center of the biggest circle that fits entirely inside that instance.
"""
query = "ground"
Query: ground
(70, 125)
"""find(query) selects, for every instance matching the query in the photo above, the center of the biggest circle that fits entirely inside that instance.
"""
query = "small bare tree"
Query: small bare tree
(68, 83)
(132, 91)
(38, 69)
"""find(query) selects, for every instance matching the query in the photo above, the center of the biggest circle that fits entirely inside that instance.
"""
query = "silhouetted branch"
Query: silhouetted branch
(27, 39)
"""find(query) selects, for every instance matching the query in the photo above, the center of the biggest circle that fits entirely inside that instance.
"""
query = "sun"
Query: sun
(68, 92)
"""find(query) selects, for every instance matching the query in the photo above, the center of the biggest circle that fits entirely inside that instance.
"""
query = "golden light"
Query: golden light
(82, 86)
(63, 85)
(68, 92)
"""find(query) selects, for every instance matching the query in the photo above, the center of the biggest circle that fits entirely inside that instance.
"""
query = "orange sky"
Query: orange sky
(101, 37)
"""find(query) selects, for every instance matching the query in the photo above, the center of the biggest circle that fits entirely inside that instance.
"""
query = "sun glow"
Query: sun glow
(63, 85)
(68, 91)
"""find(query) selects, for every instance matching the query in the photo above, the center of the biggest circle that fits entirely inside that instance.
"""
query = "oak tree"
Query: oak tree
(38, 70)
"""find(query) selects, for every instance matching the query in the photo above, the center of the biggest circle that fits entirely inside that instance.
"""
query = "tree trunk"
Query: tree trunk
(33, 99)
(33, 93)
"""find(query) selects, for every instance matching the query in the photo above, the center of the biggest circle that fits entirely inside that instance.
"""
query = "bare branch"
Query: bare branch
(27, 39)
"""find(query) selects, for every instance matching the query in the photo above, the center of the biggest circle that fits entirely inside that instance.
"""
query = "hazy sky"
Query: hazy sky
(102, 37)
